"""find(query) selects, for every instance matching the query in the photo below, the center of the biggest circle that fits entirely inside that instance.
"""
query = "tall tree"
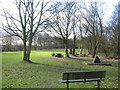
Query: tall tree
(75, 26)
(118, 52)
(114, 28)
(93, 16)
(60, 24)
(28, 20)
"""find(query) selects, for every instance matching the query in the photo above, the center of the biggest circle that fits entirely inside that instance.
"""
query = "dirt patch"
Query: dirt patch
(66, 58)
(113, 60)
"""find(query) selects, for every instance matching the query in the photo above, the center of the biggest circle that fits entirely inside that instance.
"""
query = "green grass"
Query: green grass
(46, 74)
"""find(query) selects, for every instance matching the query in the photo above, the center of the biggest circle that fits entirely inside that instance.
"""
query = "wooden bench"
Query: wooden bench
(83, 76)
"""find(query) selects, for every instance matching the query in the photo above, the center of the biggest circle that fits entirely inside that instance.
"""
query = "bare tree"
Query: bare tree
(75, 30)
(60, 24)
(113, 28)
(28, 20)
(81, 30)
(118, 52)
(93, 16)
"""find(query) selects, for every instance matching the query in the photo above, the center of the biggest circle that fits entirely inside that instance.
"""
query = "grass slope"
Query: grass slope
(47, 74)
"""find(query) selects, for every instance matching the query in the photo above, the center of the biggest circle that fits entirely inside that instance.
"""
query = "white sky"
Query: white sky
(109, 6)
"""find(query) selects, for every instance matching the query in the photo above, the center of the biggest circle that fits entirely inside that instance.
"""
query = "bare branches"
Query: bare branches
(62, 18)
(93, 24)
(29, 17)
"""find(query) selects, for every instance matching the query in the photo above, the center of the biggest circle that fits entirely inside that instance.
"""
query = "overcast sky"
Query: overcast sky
(109, 7)
(109, 4)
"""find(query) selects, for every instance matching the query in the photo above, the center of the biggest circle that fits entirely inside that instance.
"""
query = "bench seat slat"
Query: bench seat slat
(81, 80)
(83, 76)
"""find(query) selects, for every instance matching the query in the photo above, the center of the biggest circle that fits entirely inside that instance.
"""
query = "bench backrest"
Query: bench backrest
(83, 75)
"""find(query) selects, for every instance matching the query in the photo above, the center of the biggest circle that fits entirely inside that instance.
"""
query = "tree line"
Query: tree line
(66, 24)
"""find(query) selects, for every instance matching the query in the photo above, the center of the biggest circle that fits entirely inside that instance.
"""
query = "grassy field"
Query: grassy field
(46, 74)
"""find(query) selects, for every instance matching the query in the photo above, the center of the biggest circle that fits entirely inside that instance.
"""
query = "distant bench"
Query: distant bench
(57, 54)
(83, 76)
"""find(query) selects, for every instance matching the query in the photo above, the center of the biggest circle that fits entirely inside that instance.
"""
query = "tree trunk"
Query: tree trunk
(81, 50)
(94, 51)
(29, 49)
(25, 51)
(66, 48)
(73, 51)
(89, 50)
(74, 46)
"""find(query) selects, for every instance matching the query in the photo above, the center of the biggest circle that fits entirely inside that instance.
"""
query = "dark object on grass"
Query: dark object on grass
(71, 51)
(59, 55)
(96, 60)
(53, 54)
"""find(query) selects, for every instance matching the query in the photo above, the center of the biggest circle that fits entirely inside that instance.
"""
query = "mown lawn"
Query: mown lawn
(46, 74)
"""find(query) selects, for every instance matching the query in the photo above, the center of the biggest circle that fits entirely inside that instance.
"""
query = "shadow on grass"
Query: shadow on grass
(79, 59)
(63, 67)
(71, 58)
(30, 62)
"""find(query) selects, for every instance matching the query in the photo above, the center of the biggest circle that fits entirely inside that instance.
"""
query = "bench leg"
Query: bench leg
(98, 85)
(67, 86)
